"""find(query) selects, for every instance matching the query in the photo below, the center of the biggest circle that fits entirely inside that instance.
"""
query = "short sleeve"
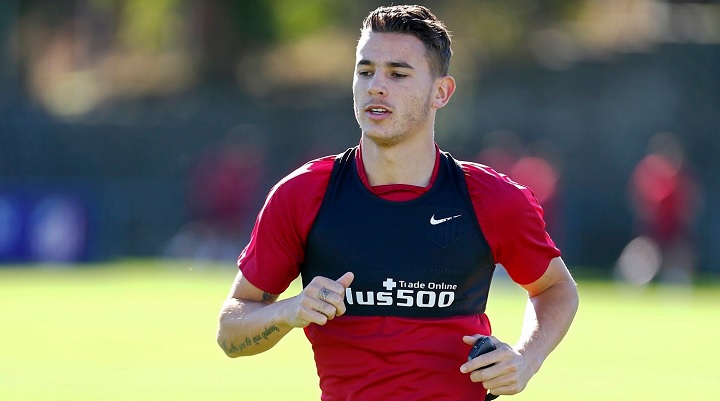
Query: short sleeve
(511, 220)
(273, 256)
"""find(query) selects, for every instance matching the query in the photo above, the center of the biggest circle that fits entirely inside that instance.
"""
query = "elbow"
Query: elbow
(569, 290)
(228, 346)
(231, 355)
(573, 297)
(227, 349)
(576, 295)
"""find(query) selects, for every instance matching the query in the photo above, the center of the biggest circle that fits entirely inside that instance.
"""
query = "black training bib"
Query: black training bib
(423, 258)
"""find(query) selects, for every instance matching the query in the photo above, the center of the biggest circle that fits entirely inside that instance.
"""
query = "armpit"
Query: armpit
(269, 298)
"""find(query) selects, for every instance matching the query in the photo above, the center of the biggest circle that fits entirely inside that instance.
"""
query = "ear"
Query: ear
(444, 89)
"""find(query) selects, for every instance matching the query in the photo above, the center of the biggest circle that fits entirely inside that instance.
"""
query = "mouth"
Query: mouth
(376, 110)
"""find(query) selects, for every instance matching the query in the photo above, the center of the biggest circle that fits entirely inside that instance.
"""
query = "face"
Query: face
(393, 88)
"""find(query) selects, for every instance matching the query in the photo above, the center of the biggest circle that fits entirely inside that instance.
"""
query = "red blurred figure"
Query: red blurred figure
(501, 149)
(224, 186)
(665, 198)
(539, 175)
(530, 166)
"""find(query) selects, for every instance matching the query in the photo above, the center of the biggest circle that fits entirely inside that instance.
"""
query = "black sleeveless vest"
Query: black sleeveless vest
(423, 258)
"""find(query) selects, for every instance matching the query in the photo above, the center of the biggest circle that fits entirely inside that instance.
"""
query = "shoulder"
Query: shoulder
(272, 258)
(493, 188)
(512, 221)
(309, 173)
(307, 180)
(498, 198)
(293, 202)
(481, 172)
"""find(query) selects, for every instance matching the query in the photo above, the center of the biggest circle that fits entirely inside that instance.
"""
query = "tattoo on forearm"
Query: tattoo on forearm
(242, 346)
(269, 298)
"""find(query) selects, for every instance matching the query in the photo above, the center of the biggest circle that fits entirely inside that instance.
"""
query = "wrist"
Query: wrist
(284, 315)
(532, 358)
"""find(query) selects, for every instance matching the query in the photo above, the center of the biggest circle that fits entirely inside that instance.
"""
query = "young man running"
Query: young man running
(396, 243)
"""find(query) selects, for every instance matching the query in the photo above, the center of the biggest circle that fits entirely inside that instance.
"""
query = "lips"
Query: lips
(377, 111)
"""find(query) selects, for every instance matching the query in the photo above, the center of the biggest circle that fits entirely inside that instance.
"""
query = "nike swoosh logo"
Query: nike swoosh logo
(435, 221)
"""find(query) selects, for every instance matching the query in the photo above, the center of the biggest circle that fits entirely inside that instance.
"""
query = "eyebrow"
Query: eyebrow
(394, 64)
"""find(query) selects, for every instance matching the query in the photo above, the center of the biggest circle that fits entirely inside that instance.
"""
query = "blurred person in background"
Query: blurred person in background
(534, 165)
(501, 149)
(396, 243)
(223, 187)
(664, 195)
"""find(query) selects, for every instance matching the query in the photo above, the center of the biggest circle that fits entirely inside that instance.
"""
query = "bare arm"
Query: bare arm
(552, 304)
(251, 321)
(551, 307)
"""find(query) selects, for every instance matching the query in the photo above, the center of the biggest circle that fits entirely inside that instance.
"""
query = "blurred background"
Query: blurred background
(156, 128)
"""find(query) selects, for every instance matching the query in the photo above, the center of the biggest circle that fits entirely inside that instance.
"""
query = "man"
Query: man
(396, 243)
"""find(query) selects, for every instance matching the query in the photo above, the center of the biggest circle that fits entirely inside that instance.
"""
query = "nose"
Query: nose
(377, 86)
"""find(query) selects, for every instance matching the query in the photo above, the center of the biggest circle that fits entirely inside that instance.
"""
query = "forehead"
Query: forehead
(384, 47)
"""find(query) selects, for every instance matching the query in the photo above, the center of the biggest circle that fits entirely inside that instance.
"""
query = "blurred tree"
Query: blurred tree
(293, 22)
(150, 26)
(232, 29)
(499, 29)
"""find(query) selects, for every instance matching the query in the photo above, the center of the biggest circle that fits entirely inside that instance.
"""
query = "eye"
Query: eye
(364, 73)
(399, 75)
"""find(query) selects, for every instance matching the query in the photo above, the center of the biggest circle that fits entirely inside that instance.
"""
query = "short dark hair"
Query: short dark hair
(418, 21)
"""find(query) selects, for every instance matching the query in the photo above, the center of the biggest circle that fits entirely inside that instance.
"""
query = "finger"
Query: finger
(324, 294)
(319, 283)
(327, 309)
(327, 290)
(336, 300)
(330, 292)
(505, 390)
(470, 340)
(313, 307)
(346, 279)
(490, 377)
(331, 307)
(308, 316)
(307, 311)
(480, 364)
(483, 363)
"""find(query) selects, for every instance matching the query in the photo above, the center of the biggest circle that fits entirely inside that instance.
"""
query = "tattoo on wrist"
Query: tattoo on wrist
(269, 298)
(256, 340)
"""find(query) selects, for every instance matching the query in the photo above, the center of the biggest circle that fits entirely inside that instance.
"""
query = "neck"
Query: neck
(407, 163)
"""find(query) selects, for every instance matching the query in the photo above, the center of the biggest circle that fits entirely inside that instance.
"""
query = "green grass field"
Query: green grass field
(146, 331)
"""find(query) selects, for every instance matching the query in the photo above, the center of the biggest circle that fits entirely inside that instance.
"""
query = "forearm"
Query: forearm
(548, 316)
(249, 327)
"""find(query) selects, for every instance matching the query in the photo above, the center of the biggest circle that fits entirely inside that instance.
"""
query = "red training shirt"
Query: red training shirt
(379, 357)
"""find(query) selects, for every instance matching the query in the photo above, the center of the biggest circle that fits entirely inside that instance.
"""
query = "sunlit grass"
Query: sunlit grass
(146, 331)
